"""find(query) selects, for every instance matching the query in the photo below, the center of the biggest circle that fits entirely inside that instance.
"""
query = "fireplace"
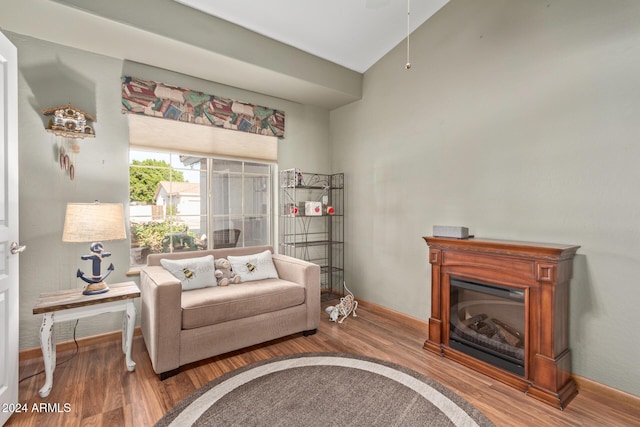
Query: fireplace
(501, 308)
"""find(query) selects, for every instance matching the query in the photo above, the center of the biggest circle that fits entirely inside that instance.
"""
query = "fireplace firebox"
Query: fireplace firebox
(486, 321)
(501, 308)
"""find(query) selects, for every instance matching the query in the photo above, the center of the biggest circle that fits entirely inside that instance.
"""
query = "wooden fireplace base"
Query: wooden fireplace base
(542, 272)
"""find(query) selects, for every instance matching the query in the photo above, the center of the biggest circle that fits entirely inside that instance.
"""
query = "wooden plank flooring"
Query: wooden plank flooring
(98, 390)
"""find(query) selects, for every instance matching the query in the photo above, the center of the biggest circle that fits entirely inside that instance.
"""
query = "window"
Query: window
(180, 202)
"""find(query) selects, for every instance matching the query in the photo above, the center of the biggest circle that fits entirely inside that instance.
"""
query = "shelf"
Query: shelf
(325, 269)
(311, 216)
(317, 241)
(313, 243)
(312, 187)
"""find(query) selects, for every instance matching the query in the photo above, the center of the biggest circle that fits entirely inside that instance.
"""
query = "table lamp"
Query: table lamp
(95, 223)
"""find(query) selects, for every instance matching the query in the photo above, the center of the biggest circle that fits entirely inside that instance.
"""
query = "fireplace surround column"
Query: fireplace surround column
(542, 273)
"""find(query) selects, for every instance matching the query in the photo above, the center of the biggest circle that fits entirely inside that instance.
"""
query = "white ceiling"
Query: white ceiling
(351, 33)
(354, 34)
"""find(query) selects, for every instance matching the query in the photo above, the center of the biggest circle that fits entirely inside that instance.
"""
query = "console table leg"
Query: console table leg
(128, 324)
(48, 352)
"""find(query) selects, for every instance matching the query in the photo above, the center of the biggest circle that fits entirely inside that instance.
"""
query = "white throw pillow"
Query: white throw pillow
(254, 267)
(194, 273)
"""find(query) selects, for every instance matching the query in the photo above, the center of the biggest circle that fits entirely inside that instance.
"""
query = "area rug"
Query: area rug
(324, 389)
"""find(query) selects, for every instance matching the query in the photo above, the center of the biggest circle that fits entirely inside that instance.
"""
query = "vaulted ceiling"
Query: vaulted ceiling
(351, 33)
(308, 52)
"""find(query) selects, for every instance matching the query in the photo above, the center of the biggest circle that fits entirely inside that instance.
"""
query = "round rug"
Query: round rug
(324, 389)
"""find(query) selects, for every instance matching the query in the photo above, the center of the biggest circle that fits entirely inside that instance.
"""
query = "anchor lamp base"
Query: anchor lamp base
(95, 288)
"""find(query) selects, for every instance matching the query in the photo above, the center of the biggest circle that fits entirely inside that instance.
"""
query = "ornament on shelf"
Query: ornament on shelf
(292, 209)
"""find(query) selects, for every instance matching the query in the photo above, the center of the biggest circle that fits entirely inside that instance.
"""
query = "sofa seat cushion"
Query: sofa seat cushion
(210, 306)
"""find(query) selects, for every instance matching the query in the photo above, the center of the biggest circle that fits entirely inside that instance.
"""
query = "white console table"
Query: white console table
(71, 304)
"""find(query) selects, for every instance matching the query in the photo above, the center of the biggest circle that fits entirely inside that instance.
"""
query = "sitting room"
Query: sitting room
(386, 212)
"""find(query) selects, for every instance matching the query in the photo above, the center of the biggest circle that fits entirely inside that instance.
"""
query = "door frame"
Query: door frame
(9, 265)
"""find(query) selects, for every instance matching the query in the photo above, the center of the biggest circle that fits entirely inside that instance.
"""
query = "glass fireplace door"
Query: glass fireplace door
(487, 322)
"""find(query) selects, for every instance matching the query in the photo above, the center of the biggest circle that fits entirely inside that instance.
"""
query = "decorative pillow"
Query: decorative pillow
(194, 273)
(254, 267)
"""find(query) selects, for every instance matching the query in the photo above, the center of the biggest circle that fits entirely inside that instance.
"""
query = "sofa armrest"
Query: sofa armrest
(307, 274)
(161, 317)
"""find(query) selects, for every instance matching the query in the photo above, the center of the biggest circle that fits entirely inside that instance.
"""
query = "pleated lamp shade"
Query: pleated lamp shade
(94, 222)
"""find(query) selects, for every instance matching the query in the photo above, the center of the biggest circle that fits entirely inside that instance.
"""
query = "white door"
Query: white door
(8, 227)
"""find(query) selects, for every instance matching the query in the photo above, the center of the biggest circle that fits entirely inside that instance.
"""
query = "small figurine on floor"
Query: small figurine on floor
(347, 306)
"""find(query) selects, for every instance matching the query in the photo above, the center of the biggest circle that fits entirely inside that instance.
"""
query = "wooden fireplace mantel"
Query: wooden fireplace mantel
(542, 271)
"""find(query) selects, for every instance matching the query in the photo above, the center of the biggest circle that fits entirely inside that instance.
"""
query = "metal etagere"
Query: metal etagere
(312, 224)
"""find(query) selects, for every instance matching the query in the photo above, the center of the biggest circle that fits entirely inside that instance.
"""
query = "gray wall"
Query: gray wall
(52, 75)
(519, 119)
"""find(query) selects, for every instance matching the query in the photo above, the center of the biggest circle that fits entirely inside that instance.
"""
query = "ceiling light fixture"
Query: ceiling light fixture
(408, 64)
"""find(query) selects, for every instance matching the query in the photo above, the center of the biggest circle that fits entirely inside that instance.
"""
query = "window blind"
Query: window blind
(161, 134)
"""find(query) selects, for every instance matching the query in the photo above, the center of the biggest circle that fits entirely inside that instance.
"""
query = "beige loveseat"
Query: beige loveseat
(181, 327)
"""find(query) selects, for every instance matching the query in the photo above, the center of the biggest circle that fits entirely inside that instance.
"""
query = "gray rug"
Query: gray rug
(324, 389)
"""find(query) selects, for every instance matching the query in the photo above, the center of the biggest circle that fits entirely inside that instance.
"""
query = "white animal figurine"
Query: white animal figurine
(347, 306)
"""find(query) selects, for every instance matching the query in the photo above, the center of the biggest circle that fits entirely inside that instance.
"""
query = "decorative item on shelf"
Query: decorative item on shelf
(69, 124)
(94, 222)
(329, 210)
(312, 208)
(292, 209)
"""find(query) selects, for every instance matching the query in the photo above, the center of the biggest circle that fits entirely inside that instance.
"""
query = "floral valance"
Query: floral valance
(160, 100)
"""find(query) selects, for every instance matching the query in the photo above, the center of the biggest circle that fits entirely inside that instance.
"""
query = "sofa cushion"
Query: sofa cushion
(193, 273)
(253, 267)
(209, 306)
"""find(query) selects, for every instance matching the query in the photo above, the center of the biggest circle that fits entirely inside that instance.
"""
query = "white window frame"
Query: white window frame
(208, 173)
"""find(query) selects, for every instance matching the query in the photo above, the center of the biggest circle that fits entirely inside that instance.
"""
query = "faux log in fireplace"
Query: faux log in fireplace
(501, 308)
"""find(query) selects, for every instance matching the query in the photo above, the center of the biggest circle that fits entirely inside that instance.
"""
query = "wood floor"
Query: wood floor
(95, 389)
